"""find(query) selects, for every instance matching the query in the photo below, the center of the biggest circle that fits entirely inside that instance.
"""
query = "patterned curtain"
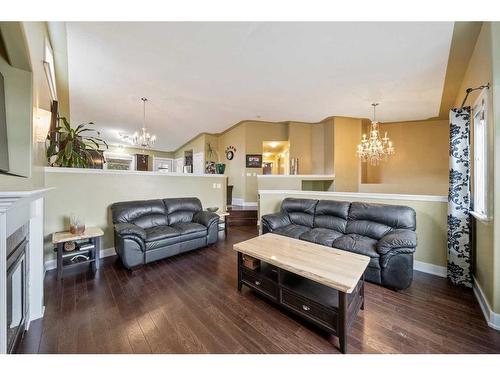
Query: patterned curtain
(459, 244)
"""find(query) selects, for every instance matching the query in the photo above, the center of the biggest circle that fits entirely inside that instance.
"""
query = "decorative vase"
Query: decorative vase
(76, 225)
(220, 168)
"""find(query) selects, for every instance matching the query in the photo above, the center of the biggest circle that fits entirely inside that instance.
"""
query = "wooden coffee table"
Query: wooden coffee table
(322, 284)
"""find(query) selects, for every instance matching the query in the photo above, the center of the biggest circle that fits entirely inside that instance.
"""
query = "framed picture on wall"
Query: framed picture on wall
(253, 161)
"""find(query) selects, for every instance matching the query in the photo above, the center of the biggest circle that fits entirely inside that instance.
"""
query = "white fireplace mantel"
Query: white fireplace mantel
(16, 209)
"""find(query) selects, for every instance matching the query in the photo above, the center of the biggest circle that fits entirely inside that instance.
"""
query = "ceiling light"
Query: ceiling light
(374, 149)
(144, 139)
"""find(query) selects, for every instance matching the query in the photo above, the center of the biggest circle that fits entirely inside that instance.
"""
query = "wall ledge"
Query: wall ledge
(323, 176)
(355, 195)
(142, 173)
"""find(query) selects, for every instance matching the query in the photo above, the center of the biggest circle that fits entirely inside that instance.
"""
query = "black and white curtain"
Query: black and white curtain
(459, 244)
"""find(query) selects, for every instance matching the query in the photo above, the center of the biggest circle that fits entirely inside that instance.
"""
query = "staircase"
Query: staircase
(241, 216)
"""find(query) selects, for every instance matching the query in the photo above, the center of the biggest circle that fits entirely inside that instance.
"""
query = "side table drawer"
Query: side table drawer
(260, 283)
(309, 308)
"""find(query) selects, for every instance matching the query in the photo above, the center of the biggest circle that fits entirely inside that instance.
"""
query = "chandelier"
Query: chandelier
(374, 149)
(144, 139)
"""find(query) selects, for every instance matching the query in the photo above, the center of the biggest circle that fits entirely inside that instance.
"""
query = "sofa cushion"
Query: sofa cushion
(181, 210)
(397, 217)
(161, 236)
(332, 215)
(144, 213)
(151, 221)
(360, 245)
(367, 228)
(161, 232)
(292, 230)
(321, 236)
(189, 231)
(300, 211)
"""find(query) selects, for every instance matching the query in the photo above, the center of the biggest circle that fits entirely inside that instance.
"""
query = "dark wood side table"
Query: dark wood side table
(69, 259)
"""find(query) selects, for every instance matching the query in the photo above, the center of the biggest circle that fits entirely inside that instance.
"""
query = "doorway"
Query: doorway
(275, 157)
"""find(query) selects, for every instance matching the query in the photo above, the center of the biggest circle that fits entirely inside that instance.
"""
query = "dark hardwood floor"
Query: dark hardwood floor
(189, 304)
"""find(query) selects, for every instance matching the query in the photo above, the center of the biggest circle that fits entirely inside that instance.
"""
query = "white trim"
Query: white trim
(241, 202)
(316, 176)
(491, 317)
(481, 217)
(237, 201)
(110, 171)
(51, 264)
(430, 268)
(403, 197)
(250, 204)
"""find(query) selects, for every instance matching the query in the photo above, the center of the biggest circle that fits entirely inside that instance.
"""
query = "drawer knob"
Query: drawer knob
(306, 308)
(257, 283)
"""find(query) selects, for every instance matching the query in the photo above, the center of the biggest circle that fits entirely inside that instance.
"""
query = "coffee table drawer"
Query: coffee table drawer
(260, 283)
(309, 308)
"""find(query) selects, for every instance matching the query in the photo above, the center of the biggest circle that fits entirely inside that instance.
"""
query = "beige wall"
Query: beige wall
(234, 168)
(312, 143)
(300, 137)
(431, 220)
(89, 195)
(347, 167)
(420, 165)
(495, 140)
(298, 182)
(196, 145)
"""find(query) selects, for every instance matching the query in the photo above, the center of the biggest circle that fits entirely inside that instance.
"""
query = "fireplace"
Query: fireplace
(21, 264)
(17, 245)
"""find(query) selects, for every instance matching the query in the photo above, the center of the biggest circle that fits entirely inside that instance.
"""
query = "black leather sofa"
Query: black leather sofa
(385, 233)
(149, 230)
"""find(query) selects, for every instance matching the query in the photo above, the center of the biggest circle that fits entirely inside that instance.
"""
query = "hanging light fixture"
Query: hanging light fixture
(144, 139)
(374, 149)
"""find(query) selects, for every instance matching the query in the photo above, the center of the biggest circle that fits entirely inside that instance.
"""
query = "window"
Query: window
(121, 162)
(480, 123)
(48, 65)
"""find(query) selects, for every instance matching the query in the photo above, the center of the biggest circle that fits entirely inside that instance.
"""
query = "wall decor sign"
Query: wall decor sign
(230, 150)
(253, 161)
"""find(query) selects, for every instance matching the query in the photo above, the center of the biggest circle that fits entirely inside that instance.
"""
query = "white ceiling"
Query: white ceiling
(205, 77)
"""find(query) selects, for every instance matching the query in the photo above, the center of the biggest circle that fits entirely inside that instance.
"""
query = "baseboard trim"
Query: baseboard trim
(51, 264)
(430, 268)
(491, 317)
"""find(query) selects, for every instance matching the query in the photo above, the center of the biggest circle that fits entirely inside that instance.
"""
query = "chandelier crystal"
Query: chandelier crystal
(374, 149)
(144, 139)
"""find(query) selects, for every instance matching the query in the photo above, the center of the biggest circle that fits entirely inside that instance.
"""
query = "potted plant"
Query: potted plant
(72, 147)
(219, 167)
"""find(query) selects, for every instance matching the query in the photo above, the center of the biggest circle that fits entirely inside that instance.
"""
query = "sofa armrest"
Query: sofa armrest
(385, 258)
(272, 222)
(205, 218)
(129, 229)
(397, 239)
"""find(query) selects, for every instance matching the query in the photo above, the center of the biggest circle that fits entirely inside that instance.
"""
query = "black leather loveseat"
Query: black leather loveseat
(385, 233)
(150, 230)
